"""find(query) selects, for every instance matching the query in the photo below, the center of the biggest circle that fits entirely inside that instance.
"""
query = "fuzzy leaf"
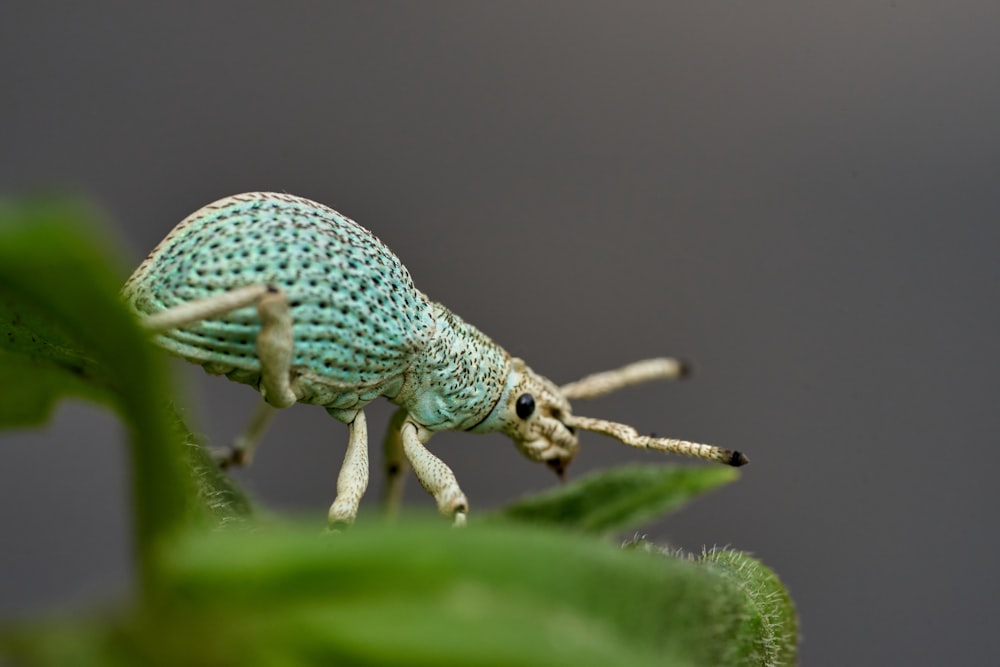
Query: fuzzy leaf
(769, 633)
(217, 494)
(420, 593)
(615, 500)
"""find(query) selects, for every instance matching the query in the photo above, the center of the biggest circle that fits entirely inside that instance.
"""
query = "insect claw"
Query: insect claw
(558, 466)
(738, 459)
(230, 457)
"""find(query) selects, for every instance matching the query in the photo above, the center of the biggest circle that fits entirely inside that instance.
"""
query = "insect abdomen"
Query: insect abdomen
(358, 321)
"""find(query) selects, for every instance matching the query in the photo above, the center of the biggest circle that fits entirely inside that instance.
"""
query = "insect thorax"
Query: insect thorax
(457, 379)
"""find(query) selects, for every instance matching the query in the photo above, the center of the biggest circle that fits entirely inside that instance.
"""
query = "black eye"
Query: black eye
(525, 406)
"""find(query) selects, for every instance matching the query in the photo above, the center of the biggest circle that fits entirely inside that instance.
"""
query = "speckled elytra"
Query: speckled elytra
(305, 305)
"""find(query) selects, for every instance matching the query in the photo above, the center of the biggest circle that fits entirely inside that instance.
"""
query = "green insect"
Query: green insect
(305, 305)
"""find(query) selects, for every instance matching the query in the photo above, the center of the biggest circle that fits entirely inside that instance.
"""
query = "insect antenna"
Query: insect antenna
(629, 436)
(599, 384)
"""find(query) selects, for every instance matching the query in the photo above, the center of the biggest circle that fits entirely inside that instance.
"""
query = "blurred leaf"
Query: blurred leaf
(614, 500)
(80, 642)
(30, 387)
(420, 593)
(219, 496)
(64, 331)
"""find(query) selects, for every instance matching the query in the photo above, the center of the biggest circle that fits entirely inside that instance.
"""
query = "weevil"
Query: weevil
(305, 305)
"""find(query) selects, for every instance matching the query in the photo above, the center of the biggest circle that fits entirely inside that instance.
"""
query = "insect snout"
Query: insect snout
(550, 441)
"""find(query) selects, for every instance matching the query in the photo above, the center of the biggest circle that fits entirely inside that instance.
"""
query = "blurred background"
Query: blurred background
(803, 200)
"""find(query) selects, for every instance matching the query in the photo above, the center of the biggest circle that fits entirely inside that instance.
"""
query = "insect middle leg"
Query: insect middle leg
(396, 465)
(353, 478)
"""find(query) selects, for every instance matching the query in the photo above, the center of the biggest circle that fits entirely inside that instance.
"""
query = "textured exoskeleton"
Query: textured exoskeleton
(305, 305)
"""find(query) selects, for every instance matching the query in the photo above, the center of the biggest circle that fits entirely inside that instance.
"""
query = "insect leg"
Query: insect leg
(353, 478)
(434, 474)
(275, 345)
(241, 453)
(396, 465)
(204, 309)
(599, 384)
(275, 342)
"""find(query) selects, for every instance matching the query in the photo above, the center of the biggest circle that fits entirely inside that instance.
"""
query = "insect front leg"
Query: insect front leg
(353, 478)
(435, 476)
(396, 464)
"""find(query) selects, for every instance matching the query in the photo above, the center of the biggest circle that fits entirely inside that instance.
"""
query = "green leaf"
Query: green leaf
(219, 496)
(78, 642)
(64, 332)
(420, 593)
(768, 634)
(31, 387)
(615, 500)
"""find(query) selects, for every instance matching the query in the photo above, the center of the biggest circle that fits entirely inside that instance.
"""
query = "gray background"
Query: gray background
(800, 197)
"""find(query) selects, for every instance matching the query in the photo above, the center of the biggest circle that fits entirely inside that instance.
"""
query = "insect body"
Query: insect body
(305, 305)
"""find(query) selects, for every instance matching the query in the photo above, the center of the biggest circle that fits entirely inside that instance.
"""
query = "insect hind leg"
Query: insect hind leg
(275, 342)
(242, 450)
(275, 346)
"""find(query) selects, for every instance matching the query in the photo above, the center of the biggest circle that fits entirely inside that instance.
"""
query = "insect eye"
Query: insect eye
(524, 406)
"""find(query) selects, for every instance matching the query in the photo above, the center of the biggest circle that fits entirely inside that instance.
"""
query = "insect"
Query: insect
(305, 305)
